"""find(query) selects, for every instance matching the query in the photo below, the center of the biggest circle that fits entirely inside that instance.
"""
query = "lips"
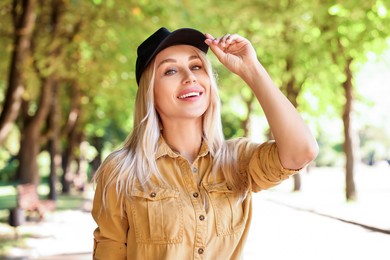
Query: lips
(190, 93)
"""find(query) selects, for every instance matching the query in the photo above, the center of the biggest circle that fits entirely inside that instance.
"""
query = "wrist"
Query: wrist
(253, 74)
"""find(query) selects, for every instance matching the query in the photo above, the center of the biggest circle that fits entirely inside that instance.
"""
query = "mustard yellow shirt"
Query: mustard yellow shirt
(198, 217)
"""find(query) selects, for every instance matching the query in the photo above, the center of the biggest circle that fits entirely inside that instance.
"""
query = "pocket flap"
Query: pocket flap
(218, 187)
(155, 194)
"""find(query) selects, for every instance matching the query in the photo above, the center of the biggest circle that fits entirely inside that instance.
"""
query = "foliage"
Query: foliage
(294, 39)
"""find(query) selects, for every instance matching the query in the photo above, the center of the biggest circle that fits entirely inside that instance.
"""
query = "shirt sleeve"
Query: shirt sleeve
(110, 237)
(265, 168)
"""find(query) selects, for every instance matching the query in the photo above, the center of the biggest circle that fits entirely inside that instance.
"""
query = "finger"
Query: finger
(209, 36)
(232, 38)
(228, 40)
(209, 39)
(218, 51)
(221, 40)
(225, 39)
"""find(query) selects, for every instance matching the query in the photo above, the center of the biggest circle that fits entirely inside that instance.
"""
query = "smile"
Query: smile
(190, 94)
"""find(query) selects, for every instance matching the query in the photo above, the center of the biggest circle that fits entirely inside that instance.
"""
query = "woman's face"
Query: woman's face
(182, 85)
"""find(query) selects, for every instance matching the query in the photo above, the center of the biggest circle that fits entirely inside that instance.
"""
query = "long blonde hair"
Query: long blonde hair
(135, 161)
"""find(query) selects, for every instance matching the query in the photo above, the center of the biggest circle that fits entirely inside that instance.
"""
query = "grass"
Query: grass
(8, 200)
(11, 240)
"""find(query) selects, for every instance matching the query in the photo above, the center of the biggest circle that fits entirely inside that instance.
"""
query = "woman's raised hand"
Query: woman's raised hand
(234, 51)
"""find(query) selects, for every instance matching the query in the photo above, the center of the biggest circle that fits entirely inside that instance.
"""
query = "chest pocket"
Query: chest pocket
(157, 216)
(228, 208)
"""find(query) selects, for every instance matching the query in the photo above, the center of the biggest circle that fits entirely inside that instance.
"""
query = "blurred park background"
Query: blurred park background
(67, 90)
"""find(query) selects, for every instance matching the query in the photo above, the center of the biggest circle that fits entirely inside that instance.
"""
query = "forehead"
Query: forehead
(177, 52)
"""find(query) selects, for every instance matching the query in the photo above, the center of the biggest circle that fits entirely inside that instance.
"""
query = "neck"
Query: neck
(184, 138)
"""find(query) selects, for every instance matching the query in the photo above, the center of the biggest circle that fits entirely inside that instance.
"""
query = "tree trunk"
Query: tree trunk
(29, 149)
(30, 143)
(71, 137)
(349, 135)
(81, 177)
(67, 159)
(249, 109)
(32, 125)
(54, 143)
(24, 16)
(97, 142)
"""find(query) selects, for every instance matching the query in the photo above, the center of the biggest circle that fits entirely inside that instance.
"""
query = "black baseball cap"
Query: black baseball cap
(162, 39)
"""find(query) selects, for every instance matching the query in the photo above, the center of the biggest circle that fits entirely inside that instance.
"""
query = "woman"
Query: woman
(177, 189)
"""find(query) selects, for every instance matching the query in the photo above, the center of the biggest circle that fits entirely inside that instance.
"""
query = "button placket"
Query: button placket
(190, 175)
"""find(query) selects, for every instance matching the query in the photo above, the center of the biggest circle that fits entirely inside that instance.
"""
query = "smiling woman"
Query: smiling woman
(182, 87)
(177, 189)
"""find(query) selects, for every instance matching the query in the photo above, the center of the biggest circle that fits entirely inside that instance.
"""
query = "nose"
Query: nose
(189, 77)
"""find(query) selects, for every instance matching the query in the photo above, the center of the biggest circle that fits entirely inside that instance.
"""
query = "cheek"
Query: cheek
(162, 95)
(206, 83)
(205, 80)
(157, 96)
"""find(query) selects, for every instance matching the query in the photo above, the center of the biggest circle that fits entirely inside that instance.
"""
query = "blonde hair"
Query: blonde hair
(135, 161)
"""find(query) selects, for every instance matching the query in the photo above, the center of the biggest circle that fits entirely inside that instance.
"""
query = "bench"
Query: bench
(29, 201)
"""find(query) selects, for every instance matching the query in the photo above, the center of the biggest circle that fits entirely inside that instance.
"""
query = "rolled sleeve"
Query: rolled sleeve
(107, 249)
(110, 237)
(265, 167)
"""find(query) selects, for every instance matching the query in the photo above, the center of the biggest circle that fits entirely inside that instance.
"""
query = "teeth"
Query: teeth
(190, 95)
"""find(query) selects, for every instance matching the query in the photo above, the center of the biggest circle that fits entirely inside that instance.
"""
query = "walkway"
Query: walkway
(315, 223)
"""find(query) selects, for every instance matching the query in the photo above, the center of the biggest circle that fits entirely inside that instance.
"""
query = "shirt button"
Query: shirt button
(195, 194)
(200, 251)
(194, 169)
(153, 194)
(201, 217)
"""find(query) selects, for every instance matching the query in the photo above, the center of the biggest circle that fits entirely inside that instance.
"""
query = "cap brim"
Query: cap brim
(185, 36)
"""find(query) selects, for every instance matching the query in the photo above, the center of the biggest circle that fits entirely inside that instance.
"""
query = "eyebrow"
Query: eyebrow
(193, 57)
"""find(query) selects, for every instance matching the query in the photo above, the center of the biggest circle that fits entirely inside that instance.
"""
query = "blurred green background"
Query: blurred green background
(67, 84)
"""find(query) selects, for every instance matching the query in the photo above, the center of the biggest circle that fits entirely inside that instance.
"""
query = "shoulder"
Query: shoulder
(111, 165)
(237, 141)
(241, 144)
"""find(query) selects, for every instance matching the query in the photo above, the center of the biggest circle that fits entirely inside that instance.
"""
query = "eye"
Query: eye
(170, 72)
(196, 67)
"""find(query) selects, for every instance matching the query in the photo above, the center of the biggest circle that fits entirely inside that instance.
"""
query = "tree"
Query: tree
(349, 29)
(23, 21)
(48, 78)
(277, 35)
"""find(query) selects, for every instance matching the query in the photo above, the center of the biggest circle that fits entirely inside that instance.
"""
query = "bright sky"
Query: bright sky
(373, 83)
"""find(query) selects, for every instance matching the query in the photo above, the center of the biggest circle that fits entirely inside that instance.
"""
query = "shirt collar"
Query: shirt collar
(164, 149)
